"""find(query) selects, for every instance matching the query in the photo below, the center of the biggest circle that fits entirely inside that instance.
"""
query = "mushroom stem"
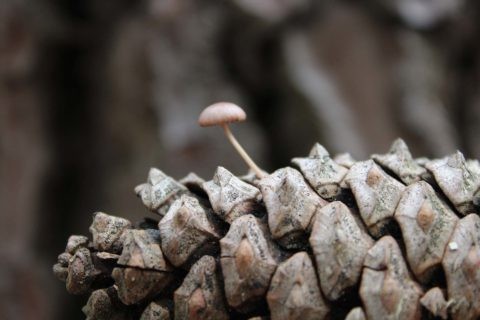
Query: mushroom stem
(242, 152)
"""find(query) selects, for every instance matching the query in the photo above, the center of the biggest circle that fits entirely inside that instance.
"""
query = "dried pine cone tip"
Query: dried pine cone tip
(322, 173)
(291, 204)
(426, 223)
(74, 242)
(294, 292)
(60, 269)
(248, 258)
(457, 180)
(194, 184)
(136, 285)
(159, 191)
(376, 193)
(422, 161)
(107, 232)
(201, 294)
(339, 242)
(141, 249)
(106, 256)
(252, 178)
(98, 305)
(81, 272)
(64, 258)
(156, 311)
(344, 159)
(347, 161)
(103, 304)
(231, 197)
(60, 272)
(386, 288)
(474, 166)
(434, 301)
(399, 161)
(187, 228)
(144, 272)
(461, 263)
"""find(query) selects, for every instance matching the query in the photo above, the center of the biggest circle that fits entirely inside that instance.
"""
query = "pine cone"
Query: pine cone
(388, 238)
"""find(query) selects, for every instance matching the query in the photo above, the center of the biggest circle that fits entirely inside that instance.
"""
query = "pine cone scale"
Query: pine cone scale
(392, 237)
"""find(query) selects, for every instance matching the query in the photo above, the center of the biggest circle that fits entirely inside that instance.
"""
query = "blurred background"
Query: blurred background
(93, 93)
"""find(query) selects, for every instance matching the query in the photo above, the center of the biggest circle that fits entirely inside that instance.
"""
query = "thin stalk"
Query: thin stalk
(242, 152)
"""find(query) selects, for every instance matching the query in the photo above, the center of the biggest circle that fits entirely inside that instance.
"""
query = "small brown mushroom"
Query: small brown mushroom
(223, 113)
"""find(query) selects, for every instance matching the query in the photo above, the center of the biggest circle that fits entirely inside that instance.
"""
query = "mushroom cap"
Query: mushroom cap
(221, 113)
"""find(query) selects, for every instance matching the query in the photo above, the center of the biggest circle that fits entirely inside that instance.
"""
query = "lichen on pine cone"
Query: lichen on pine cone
(391, 237)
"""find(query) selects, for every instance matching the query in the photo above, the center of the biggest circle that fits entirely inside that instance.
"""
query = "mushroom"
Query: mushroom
(223, 113)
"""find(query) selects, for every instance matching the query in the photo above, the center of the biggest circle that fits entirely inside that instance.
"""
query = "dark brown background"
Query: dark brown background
(93, 93)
